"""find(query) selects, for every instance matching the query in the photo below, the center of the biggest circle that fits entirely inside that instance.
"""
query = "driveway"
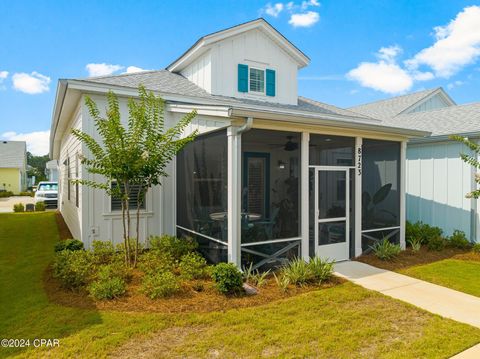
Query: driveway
(6, 204)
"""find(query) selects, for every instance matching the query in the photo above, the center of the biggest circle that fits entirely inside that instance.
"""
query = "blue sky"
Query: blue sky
(360, 51)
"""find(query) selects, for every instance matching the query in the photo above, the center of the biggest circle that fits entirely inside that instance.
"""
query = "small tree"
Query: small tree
(471, 160)
(130, 156)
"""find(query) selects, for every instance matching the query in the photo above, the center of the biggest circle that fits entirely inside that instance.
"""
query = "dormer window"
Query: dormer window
(257, 80)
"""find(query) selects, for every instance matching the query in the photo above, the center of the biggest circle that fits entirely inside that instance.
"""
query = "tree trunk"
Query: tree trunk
(127, 204)
(125, 241)
(140, 199)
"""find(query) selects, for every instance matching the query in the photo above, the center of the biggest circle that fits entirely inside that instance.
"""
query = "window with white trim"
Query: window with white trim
(257, 80)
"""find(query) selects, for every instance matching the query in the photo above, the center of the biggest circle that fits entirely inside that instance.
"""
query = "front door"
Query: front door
(331, 225)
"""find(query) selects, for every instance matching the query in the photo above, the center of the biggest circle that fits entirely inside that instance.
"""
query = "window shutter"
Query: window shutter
(242, 78)
(270, 75)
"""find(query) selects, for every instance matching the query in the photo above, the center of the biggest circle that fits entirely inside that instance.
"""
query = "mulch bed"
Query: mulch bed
(63, 230)
(408, 258)
(186, 301)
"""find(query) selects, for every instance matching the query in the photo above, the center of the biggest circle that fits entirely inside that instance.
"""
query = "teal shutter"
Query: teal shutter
(270, 82)
(242, 78)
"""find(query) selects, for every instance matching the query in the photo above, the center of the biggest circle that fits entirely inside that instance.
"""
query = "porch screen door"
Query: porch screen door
(332, 212)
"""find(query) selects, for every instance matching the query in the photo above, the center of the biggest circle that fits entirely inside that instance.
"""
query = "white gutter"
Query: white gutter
(443, 138)
(246, 127)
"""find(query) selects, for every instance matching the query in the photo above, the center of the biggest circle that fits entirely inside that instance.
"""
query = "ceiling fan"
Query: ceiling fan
(290, 145)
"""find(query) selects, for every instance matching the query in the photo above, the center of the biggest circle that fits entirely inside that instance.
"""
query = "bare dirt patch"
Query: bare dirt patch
(408, 258)
(155, 345)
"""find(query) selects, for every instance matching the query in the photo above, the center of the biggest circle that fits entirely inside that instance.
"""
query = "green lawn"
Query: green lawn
(458, 274)
(341, 322)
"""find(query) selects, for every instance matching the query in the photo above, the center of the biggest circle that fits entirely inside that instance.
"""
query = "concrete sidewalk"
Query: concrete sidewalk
(6, 204)
(436, 299)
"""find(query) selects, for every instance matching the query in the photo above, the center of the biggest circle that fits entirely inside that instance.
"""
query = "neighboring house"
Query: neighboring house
(13, 166)
(51, 170)
(437, 179)
(271, 175)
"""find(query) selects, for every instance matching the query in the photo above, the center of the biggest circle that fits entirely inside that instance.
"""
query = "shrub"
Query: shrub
(109, 283)
(415, 243)
(177, 247)
(436, 243)
(4, 194)
(160, 284)
(227, 278)
(297, 272)
(192, 266)
(385, 250)
(18, 207)
(40, 206)
(321, 269)
(459, 240)
(255, 277)
(476, 248)
(27, 194)
(422, 231)
(282, 281)
(68, 245)
(152, 262)
(102, 252)
(72, 268)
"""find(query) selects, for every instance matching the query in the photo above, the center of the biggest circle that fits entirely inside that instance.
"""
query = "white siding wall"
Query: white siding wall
(200, 72)
(99, 222)
(431, 104)
(69, 151)
(437, 181)
(217, 70)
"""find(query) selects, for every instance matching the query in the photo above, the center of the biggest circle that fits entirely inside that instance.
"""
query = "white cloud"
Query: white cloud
(3, 76)
(384, 75)
(273, 10)
(454, 84)
(37, 142)
(457, 45)
(306, 4)
(133, 69)
(307, 19)
(102, 69)
(34, 83)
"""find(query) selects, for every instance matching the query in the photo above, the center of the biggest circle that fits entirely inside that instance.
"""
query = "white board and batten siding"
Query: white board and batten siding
(437, 182)
(216, 70)
(69, 166)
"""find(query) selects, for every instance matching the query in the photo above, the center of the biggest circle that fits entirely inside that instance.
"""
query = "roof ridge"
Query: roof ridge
(429, 91)
(122, 74)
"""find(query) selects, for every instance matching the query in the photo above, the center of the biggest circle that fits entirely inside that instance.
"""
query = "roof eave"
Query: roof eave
(308, 118)
(57, 109)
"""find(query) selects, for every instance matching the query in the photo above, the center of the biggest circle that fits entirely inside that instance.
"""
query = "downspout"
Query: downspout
(247, 126)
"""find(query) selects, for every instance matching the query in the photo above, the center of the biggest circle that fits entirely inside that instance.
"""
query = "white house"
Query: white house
(271, 175)
(437, 179)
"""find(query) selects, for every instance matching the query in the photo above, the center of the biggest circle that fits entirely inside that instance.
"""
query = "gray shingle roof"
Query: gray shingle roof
(167, 82)
(12, 154)
(161, 81)
(391, 107)
(458, 119)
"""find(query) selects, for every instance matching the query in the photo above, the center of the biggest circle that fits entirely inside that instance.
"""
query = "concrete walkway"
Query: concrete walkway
(436, 299)
(6, 204)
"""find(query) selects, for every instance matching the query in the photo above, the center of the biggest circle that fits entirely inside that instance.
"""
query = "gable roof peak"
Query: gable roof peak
(201, 45)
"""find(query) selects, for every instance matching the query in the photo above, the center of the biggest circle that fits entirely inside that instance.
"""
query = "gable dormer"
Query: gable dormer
(437, 99)
(252, 61)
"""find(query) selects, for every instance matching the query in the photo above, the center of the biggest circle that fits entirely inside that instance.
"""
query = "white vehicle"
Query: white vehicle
(47, 192)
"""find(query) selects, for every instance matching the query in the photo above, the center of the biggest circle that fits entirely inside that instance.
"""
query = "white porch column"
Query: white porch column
(234, 198)
(304, 198)
(403, 196)
(358, 196)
